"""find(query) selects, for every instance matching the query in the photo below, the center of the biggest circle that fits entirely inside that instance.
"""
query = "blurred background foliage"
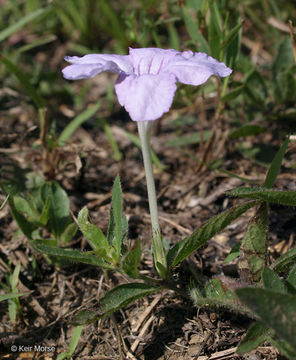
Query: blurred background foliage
(252, 37)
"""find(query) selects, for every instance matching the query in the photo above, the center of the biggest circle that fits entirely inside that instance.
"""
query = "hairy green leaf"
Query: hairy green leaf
(257, 334)
(74, 255)
(205, 232)
(277, 310)
(234, 253)
(123, 295)
(254, 246)
(117, 215)
(26, 208)
(285, 348)
(26, 227)
(291, 280)
(258, 193)
(59, 210)
(68, 233)
(44, 216)
(94, 235)
(272, 281)
(285, 262)
(131, 261)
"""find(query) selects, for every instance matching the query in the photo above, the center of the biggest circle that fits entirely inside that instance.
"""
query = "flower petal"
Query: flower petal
(150, 60)
(146, 97)
(90, 65)
(195, 68)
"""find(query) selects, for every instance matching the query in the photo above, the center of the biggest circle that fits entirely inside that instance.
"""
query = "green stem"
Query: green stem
(157, 246)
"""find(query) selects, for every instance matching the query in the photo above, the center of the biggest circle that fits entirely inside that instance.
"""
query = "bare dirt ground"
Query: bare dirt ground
(162, 326)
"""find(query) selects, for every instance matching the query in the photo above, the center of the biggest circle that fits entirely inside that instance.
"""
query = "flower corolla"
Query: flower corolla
(147, 77)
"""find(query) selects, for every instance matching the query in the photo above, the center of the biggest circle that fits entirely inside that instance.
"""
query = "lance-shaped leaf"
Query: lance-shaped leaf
(116, 225)
(291, 280)
(115, 299)
(285, 262)
(233, 94)
(45, 212)
(205, 232)
(26, 227)
(275, 166)
(59, 210)
(246, 130)
(257, 334)
(117, 213)
(273, 196)
(272, 281)
(123, 295)
(27, 208)
(131, 261)
(68, 233)
(276, 310)
(74, 255)
(94, 235)
(218, 293)
(284, 347)
(254, 246)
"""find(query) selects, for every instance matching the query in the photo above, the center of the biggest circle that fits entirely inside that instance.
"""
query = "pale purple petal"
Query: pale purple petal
(150, 60)
(92, 64)
(146, 97)
(195, 68)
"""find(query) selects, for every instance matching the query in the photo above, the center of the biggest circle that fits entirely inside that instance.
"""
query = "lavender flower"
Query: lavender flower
(146, 86)
(147, 77)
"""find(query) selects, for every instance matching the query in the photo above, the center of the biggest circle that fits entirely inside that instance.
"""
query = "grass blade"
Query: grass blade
(135, 140)
(25, 82)
(76, 122)
(74, 339)
(4, 34)
(11, 296)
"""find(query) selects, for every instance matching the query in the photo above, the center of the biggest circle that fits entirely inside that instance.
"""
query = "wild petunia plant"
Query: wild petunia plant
(145, 86)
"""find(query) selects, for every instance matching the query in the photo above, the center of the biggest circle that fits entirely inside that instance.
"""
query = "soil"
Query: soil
(161, 326)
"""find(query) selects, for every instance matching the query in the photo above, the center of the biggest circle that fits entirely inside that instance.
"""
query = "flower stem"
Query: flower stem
(157, 245)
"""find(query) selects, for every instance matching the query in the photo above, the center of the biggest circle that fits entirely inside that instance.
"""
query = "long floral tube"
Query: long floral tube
(157, 245)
